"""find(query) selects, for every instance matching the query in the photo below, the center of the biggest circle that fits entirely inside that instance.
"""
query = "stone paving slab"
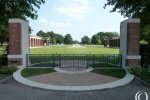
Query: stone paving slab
(80, 79)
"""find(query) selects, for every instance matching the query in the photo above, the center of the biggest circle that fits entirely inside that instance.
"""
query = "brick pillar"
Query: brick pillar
(38, 42)
(116, 43)
(35, 42)
(18, 42)
(129, 42)
(113, 43)
(31, 42)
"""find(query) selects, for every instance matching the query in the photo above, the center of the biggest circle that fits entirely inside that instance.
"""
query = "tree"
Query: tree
(95, 39)
(98, 41)
(86, 40)
(16, 9)
(75, 42)
(133, 9)
(59, 38)
(42, 34)
(146, 35)
(104, 35)
(19, 8)
(3, 35)
(52, 36)
(68, 39)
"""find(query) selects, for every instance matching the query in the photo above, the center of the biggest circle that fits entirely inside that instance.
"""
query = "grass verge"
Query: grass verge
(145, 77)
(27, 72)
(6, 71)
(142, 73)
(117, 73)
(3, 76)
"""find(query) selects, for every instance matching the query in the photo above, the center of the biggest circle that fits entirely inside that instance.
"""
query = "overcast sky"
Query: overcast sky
(76, 17)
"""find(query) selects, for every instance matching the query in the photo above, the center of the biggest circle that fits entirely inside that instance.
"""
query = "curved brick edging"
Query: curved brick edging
(124, 81)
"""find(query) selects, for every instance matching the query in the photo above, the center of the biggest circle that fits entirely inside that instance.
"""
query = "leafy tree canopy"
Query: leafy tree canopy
(16, 9)
(19, 8)
(59, 39)
(86, 40)
(42, 34)
(134, 9)
(68, 39)
(100, 36)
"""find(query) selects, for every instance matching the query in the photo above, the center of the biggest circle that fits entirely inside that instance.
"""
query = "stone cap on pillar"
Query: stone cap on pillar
(133, 20)
(17, 20)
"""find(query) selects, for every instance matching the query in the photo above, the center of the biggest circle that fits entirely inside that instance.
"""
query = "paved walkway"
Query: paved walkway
(80, 79)
(12, 90)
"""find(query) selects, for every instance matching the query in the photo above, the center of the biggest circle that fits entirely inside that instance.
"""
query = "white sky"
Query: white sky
(76, 17)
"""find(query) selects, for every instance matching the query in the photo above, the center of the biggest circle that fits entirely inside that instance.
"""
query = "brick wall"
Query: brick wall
(15, 38)
(15, 44)
(133, 47)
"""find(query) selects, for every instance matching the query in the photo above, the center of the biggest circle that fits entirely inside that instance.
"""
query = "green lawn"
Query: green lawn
(27, 72)
(118, 73)
(142, 73)
(98, 50)
(145, 77)
(68, 50)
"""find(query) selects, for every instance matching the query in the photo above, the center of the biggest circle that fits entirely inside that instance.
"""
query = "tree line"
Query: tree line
(24, 9)
(96, 39)
(56, 38)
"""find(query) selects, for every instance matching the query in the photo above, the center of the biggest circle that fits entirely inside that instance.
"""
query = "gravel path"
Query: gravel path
(12, 90)
(80, 79)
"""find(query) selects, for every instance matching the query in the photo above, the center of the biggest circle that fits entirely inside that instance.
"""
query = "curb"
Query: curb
(124, 81)
(71, 72)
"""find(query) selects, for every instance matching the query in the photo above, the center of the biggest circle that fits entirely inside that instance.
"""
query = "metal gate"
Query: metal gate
(74, 60)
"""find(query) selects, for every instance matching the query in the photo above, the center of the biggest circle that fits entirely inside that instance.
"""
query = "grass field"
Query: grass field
(68, 50)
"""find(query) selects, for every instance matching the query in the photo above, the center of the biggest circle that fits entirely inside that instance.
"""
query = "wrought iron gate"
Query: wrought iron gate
(73, 60)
